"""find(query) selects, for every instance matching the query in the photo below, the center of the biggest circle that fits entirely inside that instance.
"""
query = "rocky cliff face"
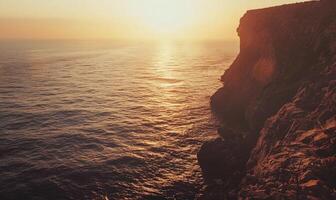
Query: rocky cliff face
(278, 105)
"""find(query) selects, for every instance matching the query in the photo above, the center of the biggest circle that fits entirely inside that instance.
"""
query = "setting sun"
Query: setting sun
(124, 19)
(165, 17)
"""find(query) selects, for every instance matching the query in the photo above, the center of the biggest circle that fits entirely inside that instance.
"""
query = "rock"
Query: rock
(276, 57)
(221, 158)
(212, 158)
(229, 134)
(311, 184)
(281, 89)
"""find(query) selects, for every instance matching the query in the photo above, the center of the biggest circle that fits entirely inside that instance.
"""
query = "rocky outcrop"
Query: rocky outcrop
(295, 156)
(281, 47)
(280, 96)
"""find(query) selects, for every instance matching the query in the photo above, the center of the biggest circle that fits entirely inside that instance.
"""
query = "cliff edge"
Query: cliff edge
(278, 106)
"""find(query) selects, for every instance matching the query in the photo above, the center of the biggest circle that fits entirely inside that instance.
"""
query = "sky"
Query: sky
(125, 19)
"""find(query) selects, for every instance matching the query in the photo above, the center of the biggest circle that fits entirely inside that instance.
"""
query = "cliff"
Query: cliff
(278, 106)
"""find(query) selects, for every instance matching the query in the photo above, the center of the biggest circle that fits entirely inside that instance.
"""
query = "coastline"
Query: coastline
(278, 107)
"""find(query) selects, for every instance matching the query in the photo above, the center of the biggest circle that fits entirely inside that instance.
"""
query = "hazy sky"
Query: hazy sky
(124, 19)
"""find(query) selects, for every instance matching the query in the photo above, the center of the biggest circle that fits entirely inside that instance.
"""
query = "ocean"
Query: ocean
(106, 119)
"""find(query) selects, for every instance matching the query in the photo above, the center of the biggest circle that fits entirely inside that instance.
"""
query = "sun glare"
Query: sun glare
(165, 17)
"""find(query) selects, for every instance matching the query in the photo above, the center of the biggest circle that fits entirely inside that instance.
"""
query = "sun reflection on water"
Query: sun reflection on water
(124, 121)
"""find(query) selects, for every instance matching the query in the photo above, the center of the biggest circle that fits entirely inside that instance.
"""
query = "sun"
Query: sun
(165, 17)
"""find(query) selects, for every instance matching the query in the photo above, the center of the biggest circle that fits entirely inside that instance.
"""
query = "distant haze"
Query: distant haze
(124, 19)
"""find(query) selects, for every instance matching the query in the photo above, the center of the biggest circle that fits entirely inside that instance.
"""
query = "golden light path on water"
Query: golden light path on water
(84, 120)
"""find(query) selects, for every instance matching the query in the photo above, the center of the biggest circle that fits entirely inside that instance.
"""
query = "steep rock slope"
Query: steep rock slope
(281, 47)
(280, 95)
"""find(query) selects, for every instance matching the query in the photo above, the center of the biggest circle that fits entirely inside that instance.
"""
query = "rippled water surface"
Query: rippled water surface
(85, 120)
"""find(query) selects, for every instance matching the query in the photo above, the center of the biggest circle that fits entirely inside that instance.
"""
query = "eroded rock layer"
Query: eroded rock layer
(279, 95)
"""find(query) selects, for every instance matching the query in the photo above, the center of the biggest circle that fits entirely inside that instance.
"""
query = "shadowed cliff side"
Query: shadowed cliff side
(278, 101)
(281, 47)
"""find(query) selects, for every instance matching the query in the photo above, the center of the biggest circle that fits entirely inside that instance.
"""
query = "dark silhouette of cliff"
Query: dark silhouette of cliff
(278, 106)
